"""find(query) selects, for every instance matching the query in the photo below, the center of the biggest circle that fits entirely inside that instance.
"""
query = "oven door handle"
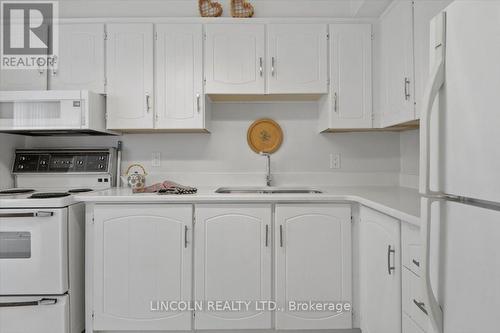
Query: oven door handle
(42, 301)
(31, 214)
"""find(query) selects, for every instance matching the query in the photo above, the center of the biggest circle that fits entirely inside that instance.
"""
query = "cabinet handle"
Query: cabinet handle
(185, 236)
(272, 66)
(407, 89)
(198, 103)
(389, 267)
(54, 70)
(335, 102)
(420, 305)
(281, 235)
(261, 69)
(267, 235)
(148, 106)
(416, 263)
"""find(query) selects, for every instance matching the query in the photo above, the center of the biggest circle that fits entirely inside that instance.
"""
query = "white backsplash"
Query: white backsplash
(224, 158)
(8, 143)
(409, 149)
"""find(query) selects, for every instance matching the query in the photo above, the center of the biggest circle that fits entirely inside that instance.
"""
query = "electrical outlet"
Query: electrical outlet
(156, 159)
(335, 161)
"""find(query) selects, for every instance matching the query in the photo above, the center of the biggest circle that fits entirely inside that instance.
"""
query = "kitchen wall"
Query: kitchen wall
(409, 150)
(189, 8)
(8, 143)
(224, 156)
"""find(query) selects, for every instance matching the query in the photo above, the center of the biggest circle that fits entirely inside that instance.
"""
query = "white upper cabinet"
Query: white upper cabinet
(397, 83)
(349, 102)
(313, 263)
(142, 254)
(233, 263)
(380, 272)
(297, 58)
(234, 58)
(23, 79)
(179, 77)
(424, 11)
(129, 64)
(80, 64)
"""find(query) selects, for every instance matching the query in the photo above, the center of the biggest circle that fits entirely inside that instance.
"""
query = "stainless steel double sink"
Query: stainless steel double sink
(267, 190)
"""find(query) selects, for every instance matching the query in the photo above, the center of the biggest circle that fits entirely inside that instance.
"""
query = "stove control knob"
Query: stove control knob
(20, 167)
(101, 158)
(80, 162)
(43, 162)
(23, 158)
(100, 166)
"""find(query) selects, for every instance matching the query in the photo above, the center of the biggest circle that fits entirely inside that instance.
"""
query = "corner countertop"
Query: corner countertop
(398, 202)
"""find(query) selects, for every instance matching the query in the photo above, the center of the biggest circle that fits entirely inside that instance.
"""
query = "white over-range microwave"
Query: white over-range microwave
(53, 112)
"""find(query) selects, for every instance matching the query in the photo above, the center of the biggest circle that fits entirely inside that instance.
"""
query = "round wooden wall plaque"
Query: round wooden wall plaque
(264, 135)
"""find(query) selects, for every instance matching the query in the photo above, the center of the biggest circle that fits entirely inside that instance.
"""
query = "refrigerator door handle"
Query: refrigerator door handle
(436, 81)
(433, 310)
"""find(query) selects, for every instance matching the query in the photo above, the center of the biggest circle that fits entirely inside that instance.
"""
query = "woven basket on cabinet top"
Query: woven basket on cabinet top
(209, 9)
(241, 8)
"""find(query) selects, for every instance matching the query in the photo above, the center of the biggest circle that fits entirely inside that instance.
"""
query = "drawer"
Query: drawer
(411, 248)
(413, 305)
(41, 314)
(409, 326)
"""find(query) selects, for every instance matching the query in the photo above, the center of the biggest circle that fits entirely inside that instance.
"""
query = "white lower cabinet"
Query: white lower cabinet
(142, 254)
(415, 317)
(233, 263)
(313, 263)
(380, 272)
(409, 326)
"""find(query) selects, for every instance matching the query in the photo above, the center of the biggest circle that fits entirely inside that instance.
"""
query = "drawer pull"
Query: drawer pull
(185, 236)
(43, 301)
(416, 263)
(420, 305)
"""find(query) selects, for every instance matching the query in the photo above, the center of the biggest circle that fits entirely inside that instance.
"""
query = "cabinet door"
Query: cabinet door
(297, 58)
(129, 64)
(424, 11)
(233, 262)
(234, 58)
(313, 263)
(351, 75)
(380, 272)
(23, 79)
(179, 76)
(396, 33)
(80, 64)
(142, 254)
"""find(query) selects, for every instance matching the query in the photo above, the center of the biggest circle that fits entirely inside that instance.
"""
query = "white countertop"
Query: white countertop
(399, 202)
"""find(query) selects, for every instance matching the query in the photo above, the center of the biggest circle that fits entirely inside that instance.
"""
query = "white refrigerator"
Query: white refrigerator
(460, 170)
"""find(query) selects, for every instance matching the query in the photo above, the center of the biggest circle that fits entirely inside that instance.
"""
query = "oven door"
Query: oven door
(48, 314)
(33, 251)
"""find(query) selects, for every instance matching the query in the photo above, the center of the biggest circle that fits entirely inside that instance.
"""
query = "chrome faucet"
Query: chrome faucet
(268, 169)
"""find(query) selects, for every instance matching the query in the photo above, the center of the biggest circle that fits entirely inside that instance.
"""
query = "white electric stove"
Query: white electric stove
(42, 230)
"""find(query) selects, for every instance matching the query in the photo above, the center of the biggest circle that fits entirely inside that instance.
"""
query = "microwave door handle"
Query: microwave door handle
(434, 311)
(431, 91)
(30, 214)
(42, 301)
